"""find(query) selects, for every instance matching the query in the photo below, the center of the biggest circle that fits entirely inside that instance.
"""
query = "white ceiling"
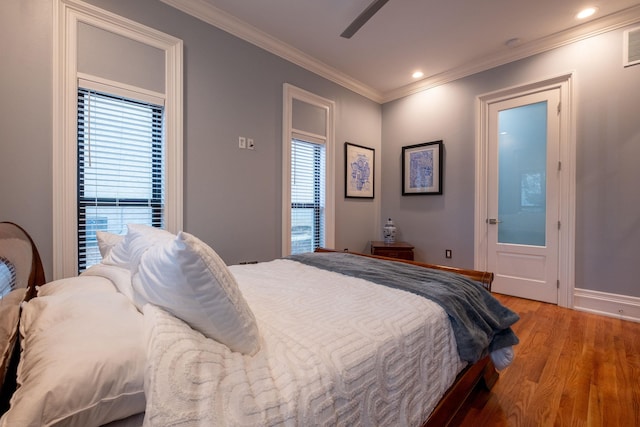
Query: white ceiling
(446, 39)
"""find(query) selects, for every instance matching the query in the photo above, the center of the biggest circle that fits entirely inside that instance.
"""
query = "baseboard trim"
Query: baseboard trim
(611, 305)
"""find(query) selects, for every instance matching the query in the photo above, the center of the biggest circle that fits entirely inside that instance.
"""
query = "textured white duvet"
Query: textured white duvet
(335, 351)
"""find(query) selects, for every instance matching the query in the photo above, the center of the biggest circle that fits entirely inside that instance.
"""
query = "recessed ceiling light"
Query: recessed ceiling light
(417, 74)
(585, 13)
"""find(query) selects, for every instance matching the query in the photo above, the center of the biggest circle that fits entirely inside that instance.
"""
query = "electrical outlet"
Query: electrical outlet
(447, 253)
(242, 142)
(250, 144)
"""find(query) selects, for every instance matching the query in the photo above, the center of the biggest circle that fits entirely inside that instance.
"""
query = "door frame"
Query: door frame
(567, 181)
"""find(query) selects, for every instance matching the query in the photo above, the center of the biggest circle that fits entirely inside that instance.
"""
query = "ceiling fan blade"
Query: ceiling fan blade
(363, 18)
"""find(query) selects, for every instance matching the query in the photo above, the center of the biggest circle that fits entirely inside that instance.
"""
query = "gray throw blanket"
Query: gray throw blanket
(480, 323)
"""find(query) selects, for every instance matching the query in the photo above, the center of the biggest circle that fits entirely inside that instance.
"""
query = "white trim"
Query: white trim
(100, 84)
(611, 305)
(289, 93)
(592, 28)
(206, 12)
(567, 193)
(67, 14)
(308, 136)
(210, 14)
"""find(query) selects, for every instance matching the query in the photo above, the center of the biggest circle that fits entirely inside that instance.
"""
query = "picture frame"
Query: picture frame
(422, 169)
(359, 171)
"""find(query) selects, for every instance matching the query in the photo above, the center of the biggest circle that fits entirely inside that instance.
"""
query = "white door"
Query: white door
(522, 195)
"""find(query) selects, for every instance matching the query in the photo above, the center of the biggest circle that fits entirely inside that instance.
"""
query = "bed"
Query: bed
(162, 332)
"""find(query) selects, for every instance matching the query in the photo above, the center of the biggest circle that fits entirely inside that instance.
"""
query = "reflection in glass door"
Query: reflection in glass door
(522, 154)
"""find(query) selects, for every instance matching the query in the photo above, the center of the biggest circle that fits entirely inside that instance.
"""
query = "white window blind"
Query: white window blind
(120, 167)
(307, 196)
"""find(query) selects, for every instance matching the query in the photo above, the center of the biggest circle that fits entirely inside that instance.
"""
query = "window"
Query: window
(307, 196)
(120, 167)
(88, 46)
(308, 171)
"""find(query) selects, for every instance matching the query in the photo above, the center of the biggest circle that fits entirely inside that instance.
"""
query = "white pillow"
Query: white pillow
(83, 356)
(120, 277)
(138, 239)
(106, 241)
(188, 278)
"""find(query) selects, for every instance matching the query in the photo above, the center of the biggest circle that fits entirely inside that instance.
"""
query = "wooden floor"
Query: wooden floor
(571, 369)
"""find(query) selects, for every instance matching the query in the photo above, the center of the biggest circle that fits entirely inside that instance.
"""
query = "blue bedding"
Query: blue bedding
(480, 323)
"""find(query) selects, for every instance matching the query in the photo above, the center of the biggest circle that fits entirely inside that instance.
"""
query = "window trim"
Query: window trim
(67, 14)
(290, 93)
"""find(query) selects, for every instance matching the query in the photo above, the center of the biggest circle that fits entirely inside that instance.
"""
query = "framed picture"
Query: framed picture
(422, 169)
(359, 164)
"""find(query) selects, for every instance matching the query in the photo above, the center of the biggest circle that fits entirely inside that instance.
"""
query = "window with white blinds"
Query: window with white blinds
(307, 196)
(120, 167)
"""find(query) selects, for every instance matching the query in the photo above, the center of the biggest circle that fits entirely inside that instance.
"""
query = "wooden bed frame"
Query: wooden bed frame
(482, 373)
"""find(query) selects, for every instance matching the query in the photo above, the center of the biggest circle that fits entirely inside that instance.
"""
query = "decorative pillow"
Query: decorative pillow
(9, 315)
(138, 239)
(106, 241)
(188, 279)
(18, 254)
(7, 276)
(83, 356)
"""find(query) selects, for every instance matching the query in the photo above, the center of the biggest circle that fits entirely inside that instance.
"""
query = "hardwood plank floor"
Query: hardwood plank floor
(571, 369)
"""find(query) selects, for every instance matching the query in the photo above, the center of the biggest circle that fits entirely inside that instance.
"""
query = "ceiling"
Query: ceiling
(445, 39)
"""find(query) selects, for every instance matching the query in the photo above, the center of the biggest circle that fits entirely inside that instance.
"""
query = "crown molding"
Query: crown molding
(218, 18)
(206, 12)
(593, 28)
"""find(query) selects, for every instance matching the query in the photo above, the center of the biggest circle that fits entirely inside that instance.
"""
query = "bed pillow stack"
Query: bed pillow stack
(128, 251)
(82, 360)
(187, 278)
(107, 241)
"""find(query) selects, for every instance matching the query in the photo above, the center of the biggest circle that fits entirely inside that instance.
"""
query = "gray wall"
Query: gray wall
(231, 88)
(105, 54)
(25, 119)
(608, 149)
(232, 197)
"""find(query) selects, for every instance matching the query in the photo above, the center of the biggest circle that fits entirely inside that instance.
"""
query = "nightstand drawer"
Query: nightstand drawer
(400, 250)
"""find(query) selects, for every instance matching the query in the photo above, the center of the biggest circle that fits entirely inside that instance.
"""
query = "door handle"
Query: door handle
(493, 221)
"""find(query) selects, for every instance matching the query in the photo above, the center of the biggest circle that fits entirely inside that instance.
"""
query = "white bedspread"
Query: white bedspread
(335, 351)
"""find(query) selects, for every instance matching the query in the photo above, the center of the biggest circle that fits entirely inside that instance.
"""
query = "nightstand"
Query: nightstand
(400, 250)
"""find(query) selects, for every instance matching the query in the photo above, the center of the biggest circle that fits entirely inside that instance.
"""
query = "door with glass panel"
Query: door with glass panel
(523, 174)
